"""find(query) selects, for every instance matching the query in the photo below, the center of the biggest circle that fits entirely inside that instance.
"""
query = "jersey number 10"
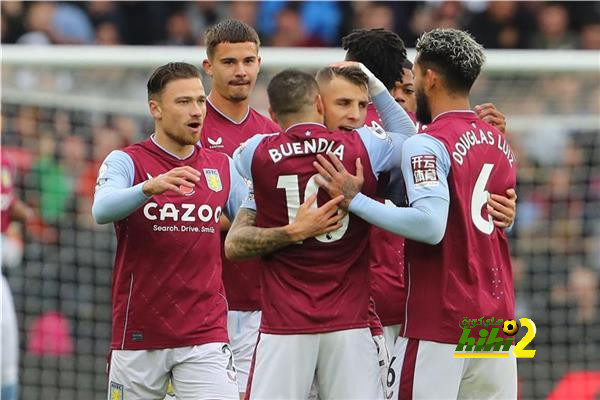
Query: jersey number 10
(292, 195)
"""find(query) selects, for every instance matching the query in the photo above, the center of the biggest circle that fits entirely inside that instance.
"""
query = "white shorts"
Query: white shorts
(197, 372)
(242, 328)
(383, 359)
(345, 362)
(421, 369)
(391, 333)
(9, 338)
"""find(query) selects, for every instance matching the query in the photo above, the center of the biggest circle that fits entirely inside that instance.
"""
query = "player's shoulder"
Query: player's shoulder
(212, 154)
(250, 144)
(423, 139)
(137, 146)
(373, 131)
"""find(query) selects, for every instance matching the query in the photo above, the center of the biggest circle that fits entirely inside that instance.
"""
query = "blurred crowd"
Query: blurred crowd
(495, 24)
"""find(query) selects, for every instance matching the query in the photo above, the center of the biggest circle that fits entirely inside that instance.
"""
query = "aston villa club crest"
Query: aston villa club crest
(213, 179)
(116, 391)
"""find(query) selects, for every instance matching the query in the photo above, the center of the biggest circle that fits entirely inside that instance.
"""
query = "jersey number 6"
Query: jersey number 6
(479, 198)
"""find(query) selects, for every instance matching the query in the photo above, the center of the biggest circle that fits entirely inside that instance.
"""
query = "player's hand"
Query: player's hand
(344, 64)
(179, 180)
(314, 221)
(503, 209)
(375, 85)
(336, 180)
(490, 114)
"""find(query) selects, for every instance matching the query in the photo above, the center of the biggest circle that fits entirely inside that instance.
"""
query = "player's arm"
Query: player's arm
(502, 208)
(394, 118)
(239, 191)
(246, 240)
(116, 197)
(396, 122)
(426, 217)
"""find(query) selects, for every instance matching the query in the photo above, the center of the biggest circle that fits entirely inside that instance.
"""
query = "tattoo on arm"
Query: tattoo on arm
(246, 240)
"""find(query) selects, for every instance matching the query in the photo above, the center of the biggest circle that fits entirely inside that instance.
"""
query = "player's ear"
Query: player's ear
(319, 104)
(273, 116)
(259, 60)
(155, 109)
(207, 66)
(431, 79)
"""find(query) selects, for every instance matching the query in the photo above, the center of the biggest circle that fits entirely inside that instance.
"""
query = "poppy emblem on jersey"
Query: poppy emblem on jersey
(116, 391)
(213, 179)
(187, 191)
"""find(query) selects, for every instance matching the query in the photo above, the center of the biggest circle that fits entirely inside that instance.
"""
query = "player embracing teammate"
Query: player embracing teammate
(308, 218)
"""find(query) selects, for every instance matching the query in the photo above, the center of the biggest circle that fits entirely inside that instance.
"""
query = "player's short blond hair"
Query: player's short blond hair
(353, 75)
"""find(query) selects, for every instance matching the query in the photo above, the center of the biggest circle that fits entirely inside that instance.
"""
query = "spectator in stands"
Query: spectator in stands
(245, 11)
(71, 25)
(320, 20)
(38, 24)
(290, 31)
(12, 14)
(500, 25)
(553, 29)
(374, 14)
(179, 31)
(50, 180)
(107, 34)
(590, 36)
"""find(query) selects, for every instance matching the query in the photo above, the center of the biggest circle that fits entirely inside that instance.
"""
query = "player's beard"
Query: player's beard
(182, 139)
(423, 108)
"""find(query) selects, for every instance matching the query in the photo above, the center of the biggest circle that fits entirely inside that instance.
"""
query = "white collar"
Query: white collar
(152, 137)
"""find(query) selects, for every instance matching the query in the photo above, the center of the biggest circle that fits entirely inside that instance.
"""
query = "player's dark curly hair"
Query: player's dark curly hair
(454, 54)
(380, 50)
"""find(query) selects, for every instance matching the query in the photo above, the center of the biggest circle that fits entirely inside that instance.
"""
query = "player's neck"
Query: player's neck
(308, 118)
(442, 104)
(178, 150)
(236, 111)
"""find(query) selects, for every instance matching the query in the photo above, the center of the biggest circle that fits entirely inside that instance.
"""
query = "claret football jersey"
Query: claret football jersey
(220, 133)
(469, 273)
(321, 284)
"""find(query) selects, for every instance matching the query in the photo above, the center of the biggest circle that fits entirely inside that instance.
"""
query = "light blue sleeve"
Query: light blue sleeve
(237, 193)
(425, 168)
(242, 159)
(427, 189)
(115, 197)
(249, 200)
(380, 147)
(394, 118)
(397, 128)
(242, 156)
